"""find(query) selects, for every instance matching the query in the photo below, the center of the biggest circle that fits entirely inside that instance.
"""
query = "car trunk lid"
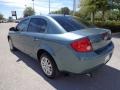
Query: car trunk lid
(98, 37)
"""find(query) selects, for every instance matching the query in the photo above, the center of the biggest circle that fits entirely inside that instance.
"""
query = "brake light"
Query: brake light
(82, 45)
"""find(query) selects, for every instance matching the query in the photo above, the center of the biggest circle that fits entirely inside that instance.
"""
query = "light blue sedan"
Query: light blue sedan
(61, 43)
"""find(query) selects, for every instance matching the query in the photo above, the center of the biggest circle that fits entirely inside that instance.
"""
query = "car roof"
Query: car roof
(49, 15)
(59, 15)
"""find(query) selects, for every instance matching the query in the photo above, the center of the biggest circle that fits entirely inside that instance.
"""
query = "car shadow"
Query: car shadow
(107, 78)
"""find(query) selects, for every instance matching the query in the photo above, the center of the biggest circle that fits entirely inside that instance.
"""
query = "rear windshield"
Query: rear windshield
(69, 23)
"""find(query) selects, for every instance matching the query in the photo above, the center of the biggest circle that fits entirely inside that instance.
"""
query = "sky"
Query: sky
(41, 6)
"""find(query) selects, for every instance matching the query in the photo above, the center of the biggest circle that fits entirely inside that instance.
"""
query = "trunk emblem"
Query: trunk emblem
(106, 37)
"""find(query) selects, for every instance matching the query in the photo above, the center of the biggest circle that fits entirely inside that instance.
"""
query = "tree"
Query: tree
(88, 7)
(103, 5)
(56, 12)
(114, 15)
(116, 5)
(28, 11)
(1, 17)
(92, 6)
(65, 10)
(115, 9)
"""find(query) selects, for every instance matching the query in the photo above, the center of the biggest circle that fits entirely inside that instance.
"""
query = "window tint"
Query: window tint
(22, 26)
(69, 23)
(37, 25)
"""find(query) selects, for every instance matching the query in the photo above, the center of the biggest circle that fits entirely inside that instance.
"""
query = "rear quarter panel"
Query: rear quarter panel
(58, 46)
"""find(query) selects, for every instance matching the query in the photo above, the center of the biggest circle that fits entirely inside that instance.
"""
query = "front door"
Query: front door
(19, 38)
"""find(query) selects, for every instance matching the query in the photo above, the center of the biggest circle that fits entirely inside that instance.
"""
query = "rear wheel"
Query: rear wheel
(11, 45)
(48, 66)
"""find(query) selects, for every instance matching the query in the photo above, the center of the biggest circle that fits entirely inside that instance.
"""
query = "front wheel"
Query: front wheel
(48, 66)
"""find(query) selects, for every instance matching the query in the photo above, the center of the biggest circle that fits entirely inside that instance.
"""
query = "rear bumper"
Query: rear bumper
(80, 63)
(89, 64)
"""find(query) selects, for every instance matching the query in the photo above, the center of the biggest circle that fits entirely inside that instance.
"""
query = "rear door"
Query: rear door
(36, 31)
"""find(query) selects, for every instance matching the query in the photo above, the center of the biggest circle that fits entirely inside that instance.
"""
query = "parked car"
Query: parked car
(4, 21)
(62, 44)
(1, 21)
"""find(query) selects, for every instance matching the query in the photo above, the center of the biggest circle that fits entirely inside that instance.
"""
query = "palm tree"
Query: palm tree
(92, 6)
(102, 5)
(88, 6)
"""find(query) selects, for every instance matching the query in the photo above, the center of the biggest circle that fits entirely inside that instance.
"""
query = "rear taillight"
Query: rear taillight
(82, 45)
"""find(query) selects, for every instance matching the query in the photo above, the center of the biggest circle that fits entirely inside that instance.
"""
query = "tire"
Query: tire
(48, 66)
(12, 48)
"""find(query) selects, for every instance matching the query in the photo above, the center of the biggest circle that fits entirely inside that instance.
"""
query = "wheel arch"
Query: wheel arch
(41, 51)
(45, 48)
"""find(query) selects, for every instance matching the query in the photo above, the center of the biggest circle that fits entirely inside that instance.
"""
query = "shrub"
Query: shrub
(114, 26)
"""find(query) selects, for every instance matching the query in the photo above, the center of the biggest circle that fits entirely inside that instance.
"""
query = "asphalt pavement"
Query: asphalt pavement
(20, 72)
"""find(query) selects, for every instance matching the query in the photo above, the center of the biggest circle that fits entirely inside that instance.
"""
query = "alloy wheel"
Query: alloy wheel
(46, 66)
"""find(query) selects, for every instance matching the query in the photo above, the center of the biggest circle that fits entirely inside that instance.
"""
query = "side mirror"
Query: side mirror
(13, 29)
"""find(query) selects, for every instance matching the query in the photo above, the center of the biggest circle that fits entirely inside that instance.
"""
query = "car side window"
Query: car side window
(22, 26)
(37, 25)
